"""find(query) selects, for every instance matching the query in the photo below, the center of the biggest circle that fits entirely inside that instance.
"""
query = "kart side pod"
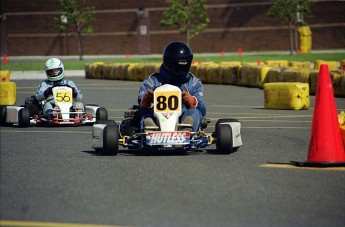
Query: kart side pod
(236, 134)
(17, 115)
(97, 136)
(228, 135)
(105, 137)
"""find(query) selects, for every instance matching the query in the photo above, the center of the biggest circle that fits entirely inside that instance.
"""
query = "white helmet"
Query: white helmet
(54, 69)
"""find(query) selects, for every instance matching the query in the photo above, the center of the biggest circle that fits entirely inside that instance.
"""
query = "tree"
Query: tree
(289, 11)
(188, 16)
(74, 18)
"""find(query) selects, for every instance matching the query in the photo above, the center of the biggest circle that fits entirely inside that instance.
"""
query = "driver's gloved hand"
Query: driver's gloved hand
(48, 92)
(75, 92)
(190, 101)
(147, 100)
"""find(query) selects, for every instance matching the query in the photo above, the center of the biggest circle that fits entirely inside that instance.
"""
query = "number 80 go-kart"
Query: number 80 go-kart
(169, 135)
(31, 112)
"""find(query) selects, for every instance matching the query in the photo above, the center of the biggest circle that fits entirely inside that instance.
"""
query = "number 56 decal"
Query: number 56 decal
(63, 96)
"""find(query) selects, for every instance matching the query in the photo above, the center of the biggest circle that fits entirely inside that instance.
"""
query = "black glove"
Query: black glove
(75, 92)
(48, 92)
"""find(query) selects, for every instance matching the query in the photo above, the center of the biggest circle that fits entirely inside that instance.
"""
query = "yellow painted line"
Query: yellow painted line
(7, 223)
(48, 131)
(291, 166)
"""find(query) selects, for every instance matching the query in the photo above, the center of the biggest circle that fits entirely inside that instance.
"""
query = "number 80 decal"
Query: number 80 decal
(167, 101)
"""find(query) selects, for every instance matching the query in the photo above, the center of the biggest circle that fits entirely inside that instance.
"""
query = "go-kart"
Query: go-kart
(170, 135)
(32, 112)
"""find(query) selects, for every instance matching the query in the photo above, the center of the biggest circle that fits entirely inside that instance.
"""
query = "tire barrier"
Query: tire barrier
(305, 39)
(8, 93)
(249, 74)
(341, 118)
(5, 75)
(332, 65)
(287, 95)
(277, 63)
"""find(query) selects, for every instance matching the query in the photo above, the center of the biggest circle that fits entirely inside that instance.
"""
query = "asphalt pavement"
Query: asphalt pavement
(52, 175)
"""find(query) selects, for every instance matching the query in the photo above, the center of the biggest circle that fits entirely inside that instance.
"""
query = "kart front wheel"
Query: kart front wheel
(224, 142)
(101, 114)
(111, 139)
(24, 117)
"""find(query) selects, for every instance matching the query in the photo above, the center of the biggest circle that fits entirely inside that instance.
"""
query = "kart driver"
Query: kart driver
(55, 76)
(177, 59)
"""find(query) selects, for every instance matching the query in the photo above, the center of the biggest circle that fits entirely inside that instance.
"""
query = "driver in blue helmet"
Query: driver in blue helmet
(54, 69)
(177, 59)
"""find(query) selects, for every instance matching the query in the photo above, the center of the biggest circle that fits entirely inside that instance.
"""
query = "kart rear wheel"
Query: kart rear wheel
(224, 142)
(24, 117)
(101, 114)
(111, 140)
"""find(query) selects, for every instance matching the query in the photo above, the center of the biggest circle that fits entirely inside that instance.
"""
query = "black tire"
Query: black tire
(223, 120)
(107, 122)
(91, 105)
(2, 115)
(224, 142)
(101, 114)
(110, 140)
(24, 117)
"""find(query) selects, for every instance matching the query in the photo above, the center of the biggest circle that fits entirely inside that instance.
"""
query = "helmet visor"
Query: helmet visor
(54, 72)
(179, 66)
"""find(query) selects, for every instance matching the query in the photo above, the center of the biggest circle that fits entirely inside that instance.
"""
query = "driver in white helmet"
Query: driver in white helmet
(55, 76)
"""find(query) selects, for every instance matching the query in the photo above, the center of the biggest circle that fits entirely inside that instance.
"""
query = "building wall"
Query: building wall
(28, 28)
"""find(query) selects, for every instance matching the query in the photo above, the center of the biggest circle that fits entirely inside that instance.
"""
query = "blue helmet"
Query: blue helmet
(177, 59)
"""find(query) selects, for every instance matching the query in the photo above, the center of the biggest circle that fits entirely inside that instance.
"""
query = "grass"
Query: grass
(27, 65)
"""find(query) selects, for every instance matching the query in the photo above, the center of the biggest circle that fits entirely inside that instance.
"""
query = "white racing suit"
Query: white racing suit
(49, 104)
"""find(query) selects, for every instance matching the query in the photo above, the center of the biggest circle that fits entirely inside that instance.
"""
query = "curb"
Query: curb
(40, 75)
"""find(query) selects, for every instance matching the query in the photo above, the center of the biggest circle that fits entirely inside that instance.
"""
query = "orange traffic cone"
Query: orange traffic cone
(326, 145)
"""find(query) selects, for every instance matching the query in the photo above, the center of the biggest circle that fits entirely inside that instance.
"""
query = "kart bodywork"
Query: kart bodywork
(31, 114)
(170, 135)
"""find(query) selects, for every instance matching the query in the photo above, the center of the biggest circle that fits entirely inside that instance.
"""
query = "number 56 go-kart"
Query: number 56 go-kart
(31, 113)
(169, 135)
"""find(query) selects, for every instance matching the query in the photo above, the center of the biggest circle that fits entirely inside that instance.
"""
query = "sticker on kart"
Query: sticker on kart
(167, 101)
(167, 138)
(63, 95)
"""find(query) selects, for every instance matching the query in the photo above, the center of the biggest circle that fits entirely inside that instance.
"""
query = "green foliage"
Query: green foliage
(78, 19)
(286, 10)
(72, 15)
(188, 16)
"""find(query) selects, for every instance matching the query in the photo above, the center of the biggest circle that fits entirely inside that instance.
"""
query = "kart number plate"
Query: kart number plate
(167, 138)
(167, 101)
(63, 96)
